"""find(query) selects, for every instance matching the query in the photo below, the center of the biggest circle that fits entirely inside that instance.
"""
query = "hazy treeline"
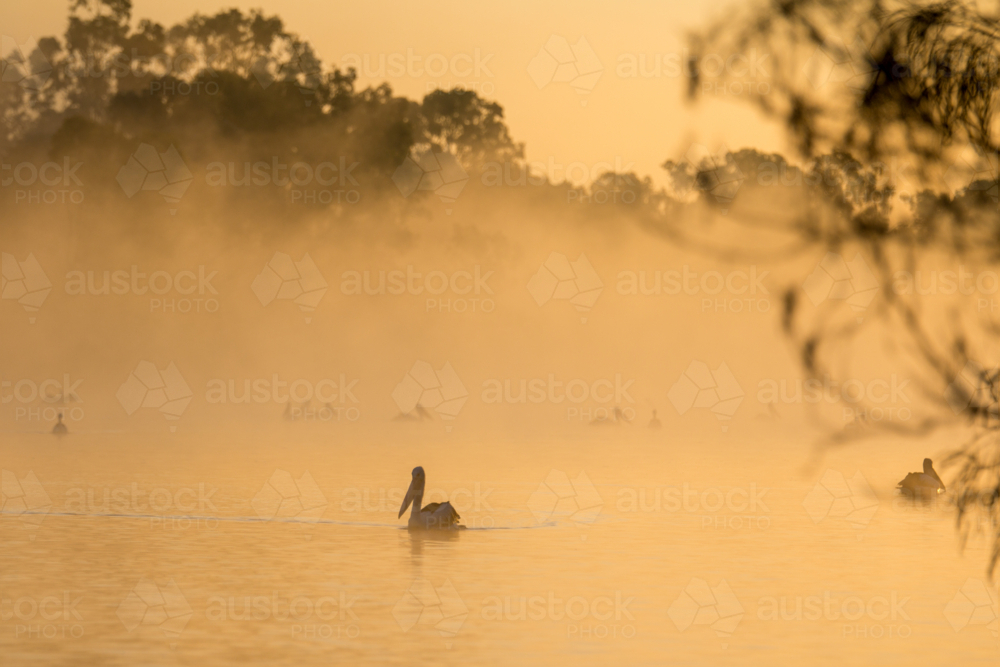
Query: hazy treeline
(260, 122)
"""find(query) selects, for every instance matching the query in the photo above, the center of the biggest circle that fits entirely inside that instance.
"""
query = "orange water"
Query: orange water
(619, 581)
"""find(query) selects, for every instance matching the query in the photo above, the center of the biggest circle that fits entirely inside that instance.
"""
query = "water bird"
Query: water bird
(434, 516)
(922, 485)
(617, 419)
(419, 413)
(60, 428)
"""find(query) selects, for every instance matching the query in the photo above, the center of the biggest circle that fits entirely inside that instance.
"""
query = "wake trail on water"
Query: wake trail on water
(251, 519)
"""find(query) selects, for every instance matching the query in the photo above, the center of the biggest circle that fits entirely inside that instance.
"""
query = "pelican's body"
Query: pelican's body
(922, 485)
(434, 516)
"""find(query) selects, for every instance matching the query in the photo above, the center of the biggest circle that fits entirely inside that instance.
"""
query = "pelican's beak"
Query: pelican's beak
(407, 500)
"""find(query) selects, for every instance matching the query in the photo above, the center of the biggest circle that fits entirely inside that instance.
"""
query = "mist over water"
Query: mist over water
(673, 422)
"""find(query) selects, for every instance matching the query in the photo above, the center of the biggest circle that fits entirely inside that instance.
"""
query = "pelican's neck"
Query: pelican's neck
(418, 499)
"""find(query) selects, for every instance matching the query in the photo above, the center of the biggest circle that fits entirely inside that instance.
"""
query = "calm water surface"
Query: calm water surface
(188, 551)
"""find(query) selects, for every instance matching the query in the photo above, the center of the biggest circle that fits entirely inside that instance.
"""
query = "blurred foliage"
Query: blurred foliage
(911, 89)
(917, 75)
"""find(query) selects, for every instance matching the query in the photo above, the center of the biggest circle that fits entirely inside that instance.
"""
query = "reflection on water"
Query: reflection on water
(113, 552)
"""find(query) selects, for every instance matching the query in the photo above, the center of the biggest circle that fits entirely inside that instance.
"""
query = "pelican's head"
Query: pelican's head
(415, 492)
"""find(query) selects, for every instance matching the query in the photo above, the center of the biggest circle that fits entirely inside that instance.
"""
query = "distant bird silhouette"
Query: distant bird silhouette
(654, 422)
(419, 414)
(60, 428)
(771, 414)
(922, 485)
(618, 419)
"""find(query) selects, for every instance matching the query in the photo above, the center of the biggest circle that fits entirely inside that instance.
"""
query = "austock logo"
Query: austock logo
(424, 388)
(286, 280)
(560, 62)
(418, 65)
(46, 182)
(440, 607)
(24, 498)
(974, 390)
(24, 282)
(303, 67)
(148, 387)
(975, 604)
(837, 62)
(23, 64)
(834, 278)
(434, 171)
(701, 387)
(718, 175)
(837, 497)
(183, 292)
(307, 183)
(148, 169)
(43, 400)
(701, 604)
(148, 604)
(559, 279)
(283, 498)
(559, 496)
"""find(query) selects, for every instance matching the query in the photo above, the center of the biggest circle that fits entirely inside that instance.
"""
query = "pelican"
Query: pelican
(60, 428)
(922, 485)
(435, 516)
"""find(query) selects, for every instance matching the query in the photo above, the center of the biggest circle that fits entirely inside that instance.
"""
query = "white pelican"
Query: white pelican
(922, 485)
(434, 516)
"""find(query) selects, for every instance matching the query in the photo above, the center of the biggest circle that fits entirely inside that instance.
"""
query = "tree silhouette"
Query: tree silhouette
(234, 88)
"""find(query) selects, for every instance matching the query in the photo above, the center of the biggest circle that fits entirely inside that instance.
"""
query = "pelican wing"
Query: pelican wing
(921, 486)
(441, 515)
